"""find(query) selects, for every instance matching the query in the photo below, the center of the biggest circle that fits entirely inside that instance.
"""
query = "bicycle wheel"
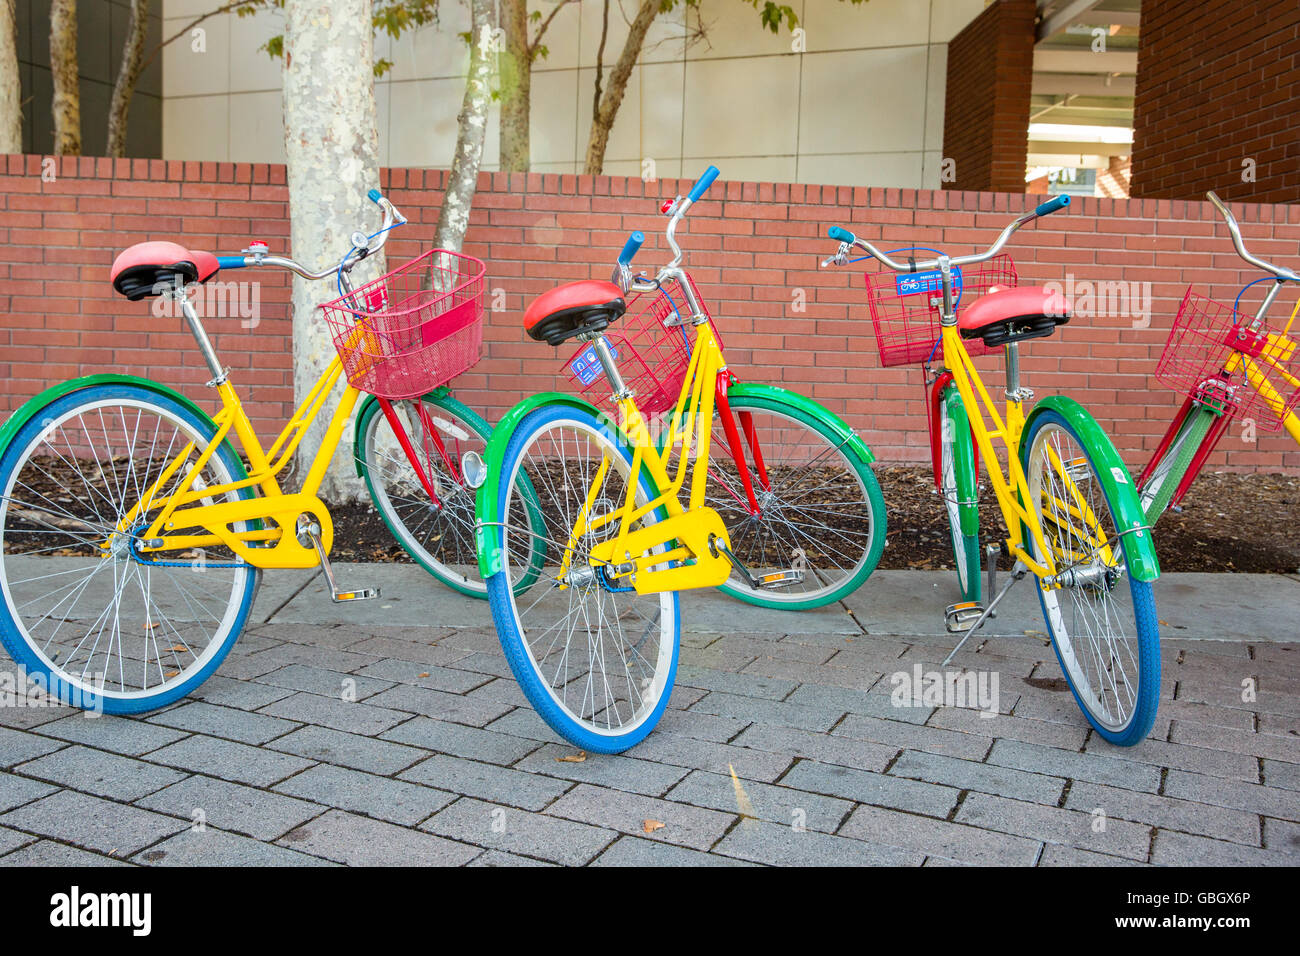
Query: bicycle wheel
(1105, 634)
(1158, 489)
(438, 537)
(84, 612)
(819, 503)
(959, 486)
(596, 660)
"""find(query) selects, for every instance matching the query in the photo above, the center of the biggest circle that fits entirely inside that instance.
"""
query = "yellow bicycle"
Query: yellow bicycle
(134, 527)
(791, 507)
(1072, 514)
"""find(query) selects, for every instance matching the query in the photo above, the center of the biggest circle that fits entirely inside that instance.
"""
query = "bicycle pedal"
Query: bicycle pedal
(779, 579)
(363, 594)
(959, 617)
(311, 531)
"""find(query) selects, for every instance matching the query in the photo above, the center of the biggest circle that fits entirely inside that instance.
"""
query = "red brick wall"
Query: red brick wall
(1218, 82)
(986, 103)
(751, 247)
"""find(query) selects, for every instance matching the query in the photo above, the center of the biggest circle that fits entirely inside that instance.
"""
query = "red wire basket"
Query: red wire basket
(413, 329)
(905, 308)
(1207, 338)
(653, 357)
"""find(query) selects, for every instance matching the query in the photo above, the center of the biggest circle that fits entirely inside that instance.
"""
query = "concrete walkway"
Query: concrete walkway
(392, 732)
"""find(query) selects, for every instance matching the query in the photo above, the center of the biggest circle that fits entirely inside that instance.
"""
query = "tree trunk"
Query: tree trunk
(67, 83)
(516, 87)
(332, 154)
(602, 121)
(127, 77)
(453, 218)
(11, 111)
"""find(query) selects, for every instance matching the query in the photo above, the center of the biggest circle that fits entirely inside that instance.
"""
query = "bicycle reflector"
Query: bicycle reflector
(473, 469)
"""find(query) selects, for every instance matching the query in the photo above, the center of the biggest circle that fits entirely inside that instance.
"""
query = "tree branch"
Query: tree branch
(226, 8)
(541, 31)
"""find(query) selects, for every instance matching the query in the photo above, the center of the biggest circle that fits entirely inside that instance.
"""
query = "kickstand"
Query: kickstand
(991, 553)
(1017, 573)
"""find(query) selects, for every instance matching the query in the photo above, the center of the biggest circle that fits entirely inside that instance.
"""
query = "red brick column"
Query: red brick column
(986, 106)
(1217, 86)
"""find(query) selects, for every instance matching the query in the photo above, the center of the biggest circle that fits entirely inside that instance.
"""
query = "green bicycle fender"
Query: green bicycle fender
(806, 405)
(1115, 478)
(364, 408)
(487, 503)
(963, 462)
(28, 410)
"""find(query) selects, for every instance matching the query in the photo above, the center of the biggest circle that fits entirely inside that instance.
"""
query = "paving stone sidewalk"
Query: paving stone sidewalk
(376, 744)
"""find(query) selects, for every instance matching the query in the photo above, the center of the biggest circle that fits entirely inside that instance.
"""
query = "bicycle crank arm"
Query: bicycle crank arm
(767, 582)
(311, 530)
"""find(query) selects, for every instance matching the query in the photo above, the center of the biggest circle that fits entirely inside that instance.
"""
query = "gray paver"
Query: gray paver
(761, 801)
(787, 846)
(232, 806)
(49, 853)
(123, 735)
(91, 822)
(632, 851)
(217, 848)
(982, 777)
(233, 724)
(619, 772)
(353, 717)
(874, 788)
(461, 740)
(1094, 767)
(361, 841)
(487, 782)
(16, 790)
(229, 760)
(433, 703)
(1166, 812)
(1050, 824)
(939, 838)
(1237, 794)
(348, 750)
(17, 746)
(1182, 849)
(12, 839)
(518, 831)
(396, 801)
(683, 825)
(101, 773)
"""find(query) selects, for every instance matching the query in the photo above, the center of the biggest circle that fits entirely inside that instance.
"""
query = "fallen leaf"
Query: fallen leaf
(178, 647)
(579, 757)
(170, 674)
(650, 826)
(425, 674)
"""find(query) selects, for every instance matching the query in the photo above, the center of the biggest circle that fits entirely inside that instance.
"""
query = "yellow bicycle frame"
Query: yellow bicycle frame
(1279, 349)
(675, 552)
(171, 517)
(1012, 487)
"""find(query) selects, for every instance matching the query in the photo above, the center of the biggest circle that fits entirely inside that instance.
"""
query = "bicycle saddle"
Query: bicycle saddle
(587, 305)
(151, 268)
(1006, 315)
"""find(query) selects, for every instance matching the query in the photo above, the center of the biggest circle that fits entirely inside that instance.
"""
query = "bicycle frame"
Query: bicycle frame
(181, 508)
(691, 561)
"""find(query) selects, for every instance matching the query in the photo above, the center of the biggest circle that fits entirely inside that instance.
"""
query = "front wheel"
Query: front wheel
(101, 622)
(595, 658)
(1102, 620)
(959, 486)
(819, 505)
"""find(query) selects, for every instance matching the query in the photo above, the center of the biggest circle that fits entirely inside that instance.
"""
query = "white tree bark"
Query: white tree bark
(67, 82)
(462, 181)
(128, 75)
(332, 150)
(11, 113)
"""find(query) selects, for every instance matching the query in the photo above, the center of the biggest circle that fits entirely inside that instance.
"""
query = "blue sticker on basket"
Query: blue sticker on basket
(587, 365)
(914, 283)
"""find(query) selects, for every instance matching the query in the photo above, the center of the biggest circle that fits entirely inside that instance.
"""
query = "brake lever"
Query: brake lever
(840, 258)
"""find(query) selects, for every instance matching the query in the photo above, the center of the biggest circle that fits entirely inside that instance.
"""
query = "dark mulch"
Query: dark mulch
(1229, 522)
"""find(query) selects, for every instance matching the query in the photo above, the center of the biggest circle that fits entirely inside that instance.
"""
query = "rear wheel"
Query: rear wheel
(959, 486)
(819, 504)
(1102, 620)
(85, 611)
(439, 537)
(1167, 474)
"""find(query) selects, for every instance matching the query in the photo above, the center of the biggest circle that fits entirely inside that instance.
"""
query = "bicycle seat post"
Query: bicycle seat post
(610, 366)
(178, 295)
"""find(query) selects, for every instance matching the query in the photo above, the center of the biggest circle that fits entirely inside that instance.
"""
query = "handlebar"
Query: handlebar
(392, 218)
(1285, 275)
(847, 240)
(703, 184)
(631, 247)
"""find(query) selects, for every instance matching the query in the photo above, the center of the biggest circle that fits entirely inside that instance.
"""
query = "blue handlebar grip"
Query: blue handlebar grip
(841, 235)
(630, 247)
(1053, 204)
(374, 196)
(231, 262)
(705, 182)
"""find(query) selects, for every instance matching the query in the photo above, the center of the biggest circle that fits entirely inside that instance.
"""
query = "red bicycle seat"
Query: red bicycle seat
(587, 305)
(1005, 315)
(151, 268)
